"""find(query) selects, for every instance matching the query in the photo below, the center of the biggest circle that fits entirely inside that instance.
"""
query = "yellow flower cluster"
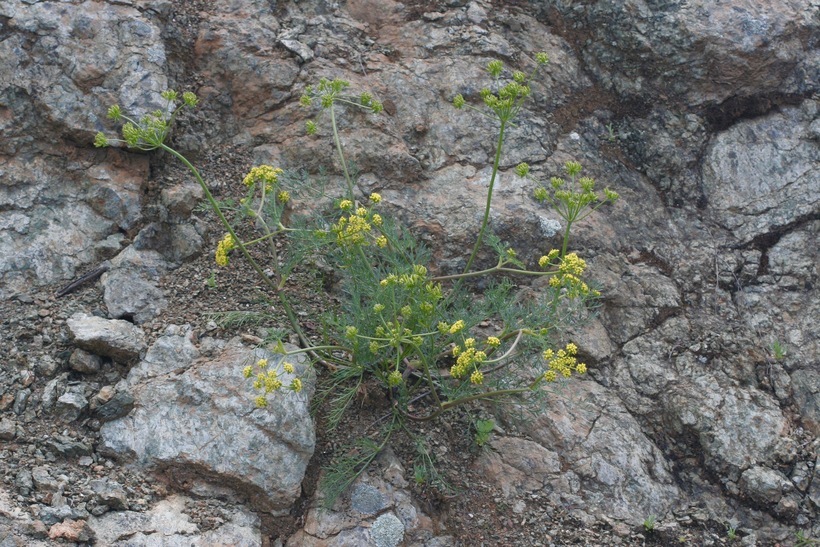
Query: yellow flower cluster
(569, 270)
(263, 174)
(267, 380)
(468, 357)
(572, 264)
(563, 363)
(411, 280)
(226, 245)
(353, 229)
(545, 260)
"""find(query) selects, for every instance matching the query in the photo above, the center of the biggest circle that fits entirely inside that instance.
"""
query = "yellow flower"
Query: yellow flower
(288, 368)
(361, 211)
(377, 220)
(296, 385)
(247, 371)
(345, 205)
(283, 196)
(469, 343)
(263, 174)
(375, 198)
(493, 342)
(477, 378)
(394, 378)
(262, 363)
(381, 242)
(226, 245)
(572, 349)
(261, 401)
(580, 368)
(549, 376)
(457, 326)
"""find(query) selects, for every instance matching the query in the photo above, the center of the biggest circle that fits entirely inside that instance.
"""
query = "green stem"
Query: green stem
(341, 153)
(566, 239)
(486, 220)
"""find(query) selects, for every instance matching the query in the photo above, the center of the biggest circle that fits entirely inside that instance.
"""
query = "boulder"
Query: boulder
(199, 425)
(115, 338)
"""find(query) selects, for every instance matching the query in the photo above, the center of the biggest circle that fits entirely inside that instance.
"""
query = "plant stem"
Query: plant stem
(339, 150)
(486, 220)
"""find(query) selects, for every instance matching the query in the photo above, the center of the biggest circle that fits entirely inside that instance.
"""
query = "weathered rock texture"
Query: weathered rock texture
(192, 422)
(703, 115)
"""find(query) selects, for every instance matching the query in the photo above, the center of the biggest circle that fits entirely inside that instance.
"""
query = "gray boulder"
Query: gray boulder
(200, 425)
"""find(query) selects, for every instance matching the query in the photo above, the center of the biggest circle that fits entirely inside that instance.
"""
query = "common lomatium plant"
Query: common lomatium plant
(429, 342)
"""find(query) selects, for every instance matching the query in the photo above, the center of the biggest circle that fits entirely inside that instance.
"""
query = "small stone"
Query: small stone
(115, 338)
(367, 499)
(21, 400)
(53, 515)
(72, 530)
(118, 406)
(35, 529)
(71, 405)
(110, 493)
(46, 366)
(8, 429)
(387, 531)
(85, 362)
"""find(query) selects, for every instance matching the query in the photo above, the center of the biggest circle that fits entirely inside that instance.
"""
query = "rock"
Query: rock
(20, 401)
(520, 466)
(173, 351)
(696, 54)
(806, 389)
(131, 295)
(23, 482)
(166, 523)
(42, 479)
(201, 425)
(72, 530)
(120, 340)
(367, 499)
(67, 447)
(606, 461)
(181, 199)
(8, 429)
(765, 486)
(745, 175)
(54, 390)
(372, 496)
(47, 366)
(85, 362)
(387, 531)
(120, 404)
(176, 243)
(68, 66)
(52, 515)
(71, 405)
(110, 493)
(814, 490)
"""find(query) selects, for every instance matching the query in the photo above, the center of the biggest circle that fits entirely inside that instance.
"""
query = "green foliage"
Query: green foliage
(804, 540)
(649, 524)
(429, 343)
(483, 428)
(778, 350)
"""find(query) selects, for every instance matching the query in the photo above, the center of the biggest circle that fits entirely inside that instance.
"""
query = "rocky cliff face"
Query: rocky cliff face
(703, 115)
